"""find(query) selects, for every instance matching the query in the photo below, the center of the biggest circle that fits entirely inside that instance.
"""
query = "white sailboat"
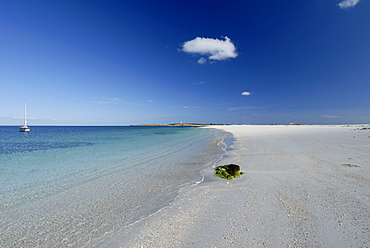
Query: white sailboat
(24, 128)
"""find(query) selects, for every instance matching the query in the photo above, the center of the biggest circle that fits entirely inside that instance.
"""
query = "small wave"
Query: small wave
(223, 146)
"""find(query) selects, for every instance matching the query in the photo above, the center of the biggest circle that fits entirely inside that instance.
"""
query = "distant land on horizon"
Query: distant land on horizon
(176, 124)
(214, 124)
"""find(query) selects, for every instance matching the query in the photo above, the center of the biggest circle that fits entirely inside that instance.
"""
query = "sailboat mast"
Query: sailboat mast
(25, 110)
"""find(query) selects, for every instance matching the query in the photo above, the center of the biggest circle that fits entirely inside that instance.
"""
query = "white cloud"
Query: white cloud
(245, 108)
(16, 117)
(246, 93)
(330, 116)
(202, 60)
(10, 117)
(116, 100)
(348, 3)
(108, 100)
(214, 49)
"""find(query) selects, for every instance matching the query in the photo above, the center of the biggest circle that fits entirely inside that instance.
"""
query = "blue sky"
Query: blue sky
(131, 62)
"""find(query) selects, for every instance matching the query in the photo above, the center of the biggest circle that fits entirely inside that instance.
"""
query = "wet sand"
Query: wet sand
(298, 191)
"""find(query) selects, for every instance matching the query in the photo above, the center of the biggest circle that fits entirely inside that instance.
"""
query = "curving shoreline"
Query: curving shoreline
(295, 193)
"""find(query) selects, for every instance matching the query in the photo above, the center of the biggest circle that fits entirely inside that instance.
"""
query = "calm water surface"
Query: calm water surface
(73, 186)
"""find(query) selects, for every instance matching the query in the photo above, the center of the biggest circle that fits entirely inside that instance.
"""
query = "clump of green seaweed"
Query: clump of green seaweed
(228, 172)
(351, 165)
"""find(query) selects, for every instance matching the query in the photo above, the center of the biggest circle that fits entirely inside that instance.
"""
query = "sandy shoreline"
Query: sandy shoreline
(295, 193)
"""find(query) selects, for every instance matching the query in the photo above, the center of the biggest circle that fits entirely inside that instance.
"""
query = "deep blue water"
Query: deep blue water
(73, 186)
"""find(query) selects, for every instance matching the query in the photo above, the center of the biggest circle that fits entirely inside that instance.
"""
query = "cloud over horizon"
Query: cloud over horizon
(246, 93)
(348, 3)
(213, 49)
(245, 108)
(330, 116)
(117, 100)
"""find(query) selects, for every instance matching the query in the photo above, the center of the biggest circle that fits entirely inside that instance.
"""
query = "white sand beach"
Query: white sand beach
(296, 193)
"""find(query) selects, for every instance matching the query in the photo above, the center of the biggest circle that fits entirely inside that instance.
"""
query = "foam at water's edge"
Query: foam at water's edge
(221, 144)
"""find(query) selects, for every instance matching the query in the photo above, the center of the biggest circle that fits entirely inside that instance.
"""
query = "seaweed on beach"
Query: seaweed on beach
(228, 172)
(351, 165)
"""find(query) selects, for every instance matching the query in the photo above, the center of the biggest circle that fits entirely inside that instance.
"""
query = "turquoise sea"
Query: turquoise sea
(74, 186)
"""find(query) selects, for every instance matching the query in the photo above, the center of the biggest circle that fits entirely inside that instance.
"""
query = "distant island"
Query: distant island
(176, 125)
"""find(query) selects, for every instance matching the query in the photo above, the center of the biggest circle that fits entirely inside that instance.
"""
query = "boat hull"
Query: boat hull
(24, 129)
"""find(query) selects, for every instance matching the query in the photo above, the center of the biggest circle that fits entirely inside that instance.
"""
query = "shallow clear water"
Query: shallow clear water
(73, 186)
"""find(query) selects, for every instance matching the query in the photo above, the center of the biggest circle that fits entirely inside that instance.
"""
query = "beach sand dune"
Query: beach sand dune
(298, 191)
